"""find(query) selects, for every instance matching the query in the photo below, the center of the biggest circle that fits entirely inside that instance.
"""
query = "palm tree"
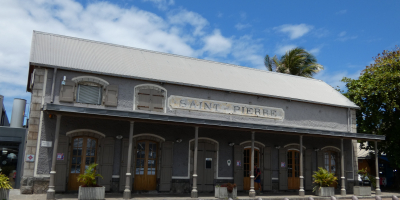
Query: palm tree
(296, 61)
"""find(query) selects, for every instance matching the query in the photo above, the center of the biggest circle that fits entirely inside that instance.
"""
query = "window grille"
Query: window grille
(89, 94)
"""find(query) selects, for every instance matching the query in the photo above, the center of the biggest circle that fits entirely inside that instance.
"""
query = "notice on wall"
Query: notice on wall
(204, 105)
(283, 164)
(30, 158)
(46, 144)
(60, 156)
(238, 163)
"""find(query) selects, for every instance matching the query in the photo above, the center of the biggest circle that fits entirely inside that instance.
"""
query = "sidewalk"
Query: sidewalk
(15, 195)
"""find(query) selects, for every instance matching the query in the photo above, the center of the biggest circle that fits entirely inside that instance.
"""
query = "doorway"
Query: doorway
(84, 153)
(331, 163)
(205, 167)
(146, 166)
(293, 157)
(247, 167)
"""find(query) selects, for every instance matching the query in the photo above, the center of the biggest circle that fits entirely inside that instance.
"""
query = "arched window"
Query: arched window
(150, 98)
(331, 161)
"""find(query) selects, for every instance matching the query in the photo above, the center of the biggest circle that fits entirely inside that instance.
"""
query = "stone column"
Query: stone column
(127, 191)
(343, 190)
(252, 192)
(51, 192)
(378, 189)
(301, 191)
(196, 140)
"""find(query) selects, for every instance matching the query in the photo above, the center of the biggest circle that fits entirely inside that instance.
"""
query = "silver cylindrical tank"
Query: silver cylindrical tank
(18, 113)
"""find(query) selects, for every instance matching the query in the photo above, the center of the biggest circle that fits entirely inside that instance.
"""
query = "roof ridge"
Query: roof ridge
(175, 55)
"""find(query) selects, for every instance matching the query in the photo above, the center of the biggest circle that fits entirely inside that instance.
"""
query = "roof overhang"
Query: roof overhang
(135, 115)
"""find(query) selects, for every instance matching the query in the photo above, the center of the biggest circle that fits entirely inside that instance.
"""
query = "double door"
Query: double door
(146, 165)
(293, 158)
(205, 167)
(247, 167)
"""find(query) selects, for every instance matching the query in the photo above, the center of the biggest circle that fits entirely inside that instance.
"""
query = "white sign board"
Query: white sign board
(203, 105)
(46, 143)
(30, 158)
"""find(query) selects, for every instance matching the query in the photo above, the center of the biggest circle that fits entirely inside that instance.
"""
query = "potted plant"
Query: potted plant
(322, 180)
(363, 190)
(225, 191)
(4, 187)
(90, 189)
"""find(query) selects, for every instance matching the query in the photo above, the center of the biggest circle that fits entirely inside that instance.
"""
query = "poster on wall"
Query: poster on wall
(60, 156)
(283, 164)
(239, 163)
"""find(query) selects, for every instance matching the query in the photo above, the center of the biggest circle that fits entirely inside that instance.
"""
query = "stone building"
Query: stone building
(141, 115)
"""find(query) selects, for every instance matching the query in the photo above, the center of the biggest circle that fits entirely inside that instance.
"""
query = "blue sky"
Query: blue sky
(344, 35)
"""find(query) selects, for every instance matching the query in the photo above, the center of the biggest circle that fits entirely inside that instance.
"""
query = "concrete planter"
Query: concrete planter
(94, 193)
(222, 193)
(4, 194)
(362, 190)
(325, 192)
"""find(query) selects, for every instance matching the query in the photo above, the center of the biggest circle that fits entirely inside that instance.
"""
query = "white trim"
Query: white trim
(249, 147)
(115, 176)
(100, 81)
(86, 130)
(203, 138)
(224, 177)
(254, 142)
(154, 85)
(292, 149)
(330, 147)
(275, 178)
(180, 177)
(40, 125)
(294, 144)
(149, 134)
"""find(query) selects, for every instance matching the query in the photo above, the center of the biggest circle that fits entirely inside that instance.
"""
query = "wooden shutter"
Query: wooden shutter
(267, 169)
(111, 95)
(106, 162)
(238, 170)
(124, 162)
(67, 91)
(89, 94)
(166, 166)
(144, 99)
(157, 98)
(283, 177)
(60, 181)
(308, 169)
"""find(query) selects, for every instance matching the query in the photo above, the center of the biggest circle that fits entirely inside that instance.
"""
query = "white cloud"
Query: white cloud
(243, 15)
(161, 4)
(184, 17)
(246, 49)
(240, 26)
(283, 49)
(343, 33)
(341, 12)
(216, 44)
(343, 39)
(294, 31)
(334, 78)
(315, 51)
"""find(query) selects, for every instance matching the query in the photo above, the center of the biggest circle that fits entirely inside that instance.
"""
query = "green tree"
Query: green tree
(377, 92)
(296, 61)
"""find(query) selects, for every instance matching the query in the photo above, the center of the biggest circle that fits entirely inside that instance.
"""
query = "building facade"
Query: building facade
(156, 121)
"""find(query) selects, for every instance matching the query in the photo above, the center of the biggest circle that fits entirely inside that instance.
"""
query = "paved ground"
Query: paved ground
(15, 194)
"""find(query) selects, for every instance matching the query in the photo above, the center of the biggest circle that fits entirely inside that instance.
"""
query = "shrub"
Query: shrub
(323, 178)
(4, 183)
(89, 177)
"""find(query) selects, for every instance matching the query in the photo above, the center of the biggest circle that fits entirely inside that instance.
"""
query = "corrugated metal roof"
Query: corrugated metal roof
(104, 58)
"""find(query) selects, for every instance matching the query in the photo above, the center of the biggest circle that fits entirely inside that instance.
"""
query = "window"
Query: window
(90, 94)
(330, 161)
(150, 98)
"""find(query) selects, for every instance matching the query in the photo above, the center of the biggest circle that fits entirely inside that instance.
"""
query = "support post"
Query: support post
(252, 192)
(127, 191)
(51, 192)
(194, 193)
(378, 189)
(301, 191)
(343, 190)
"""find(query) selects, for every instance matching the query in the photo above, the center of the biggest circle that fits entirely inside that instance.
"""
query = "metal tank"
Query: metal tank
(18, 113)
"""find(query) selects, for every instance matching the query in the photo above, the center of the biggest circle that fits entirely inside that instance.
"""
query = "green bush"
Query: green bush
(89, 177)
(4, 183)
(323, 178)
